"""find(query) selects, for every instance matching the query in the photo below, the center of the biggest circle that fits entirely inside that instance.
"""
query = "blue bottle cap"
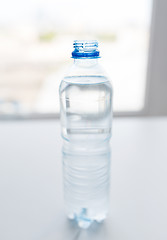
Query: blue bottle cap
(85, 49)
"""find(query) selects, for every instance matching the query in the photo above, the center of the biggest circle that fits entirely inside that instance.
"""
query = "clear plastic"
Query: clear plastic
(86, 103)
(86, 119)
(86, 186)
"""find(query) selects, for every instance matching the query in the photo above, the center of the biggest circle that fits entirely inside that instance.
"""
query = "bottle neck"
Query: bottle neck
(85, 62)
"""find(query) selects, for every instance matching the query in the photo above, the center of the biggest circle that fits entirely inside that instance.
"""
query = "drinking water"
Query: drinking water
(86, 109)
(86, 117)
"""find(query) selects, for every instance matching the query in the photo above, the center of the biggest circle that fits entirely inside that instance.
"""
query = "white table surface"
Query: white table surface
(31, 192)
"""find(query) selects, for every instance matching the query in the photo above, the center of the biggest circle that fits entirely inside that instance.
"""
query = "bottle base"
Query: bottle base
(83, 220)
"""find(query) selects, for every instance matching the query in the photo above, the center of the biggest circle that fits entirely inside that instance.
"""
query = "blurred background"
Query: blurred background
(36, 38)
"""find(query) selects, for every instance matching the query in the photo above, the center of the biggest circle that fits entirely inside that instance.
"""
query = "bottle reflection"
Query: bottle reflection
(86, 178)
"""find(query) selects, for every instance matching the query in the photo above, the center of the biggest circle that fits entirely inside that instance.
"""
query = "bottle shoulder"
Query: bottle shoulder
(85, 73)
(85, 68)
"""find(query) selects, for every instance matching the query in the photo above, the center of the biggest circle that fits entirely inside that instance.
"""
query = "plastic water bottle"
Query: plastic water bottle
(86, 118)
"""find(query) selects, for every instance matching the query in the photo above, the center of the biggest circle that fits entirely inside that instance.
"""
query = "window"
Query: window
(36, 39)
